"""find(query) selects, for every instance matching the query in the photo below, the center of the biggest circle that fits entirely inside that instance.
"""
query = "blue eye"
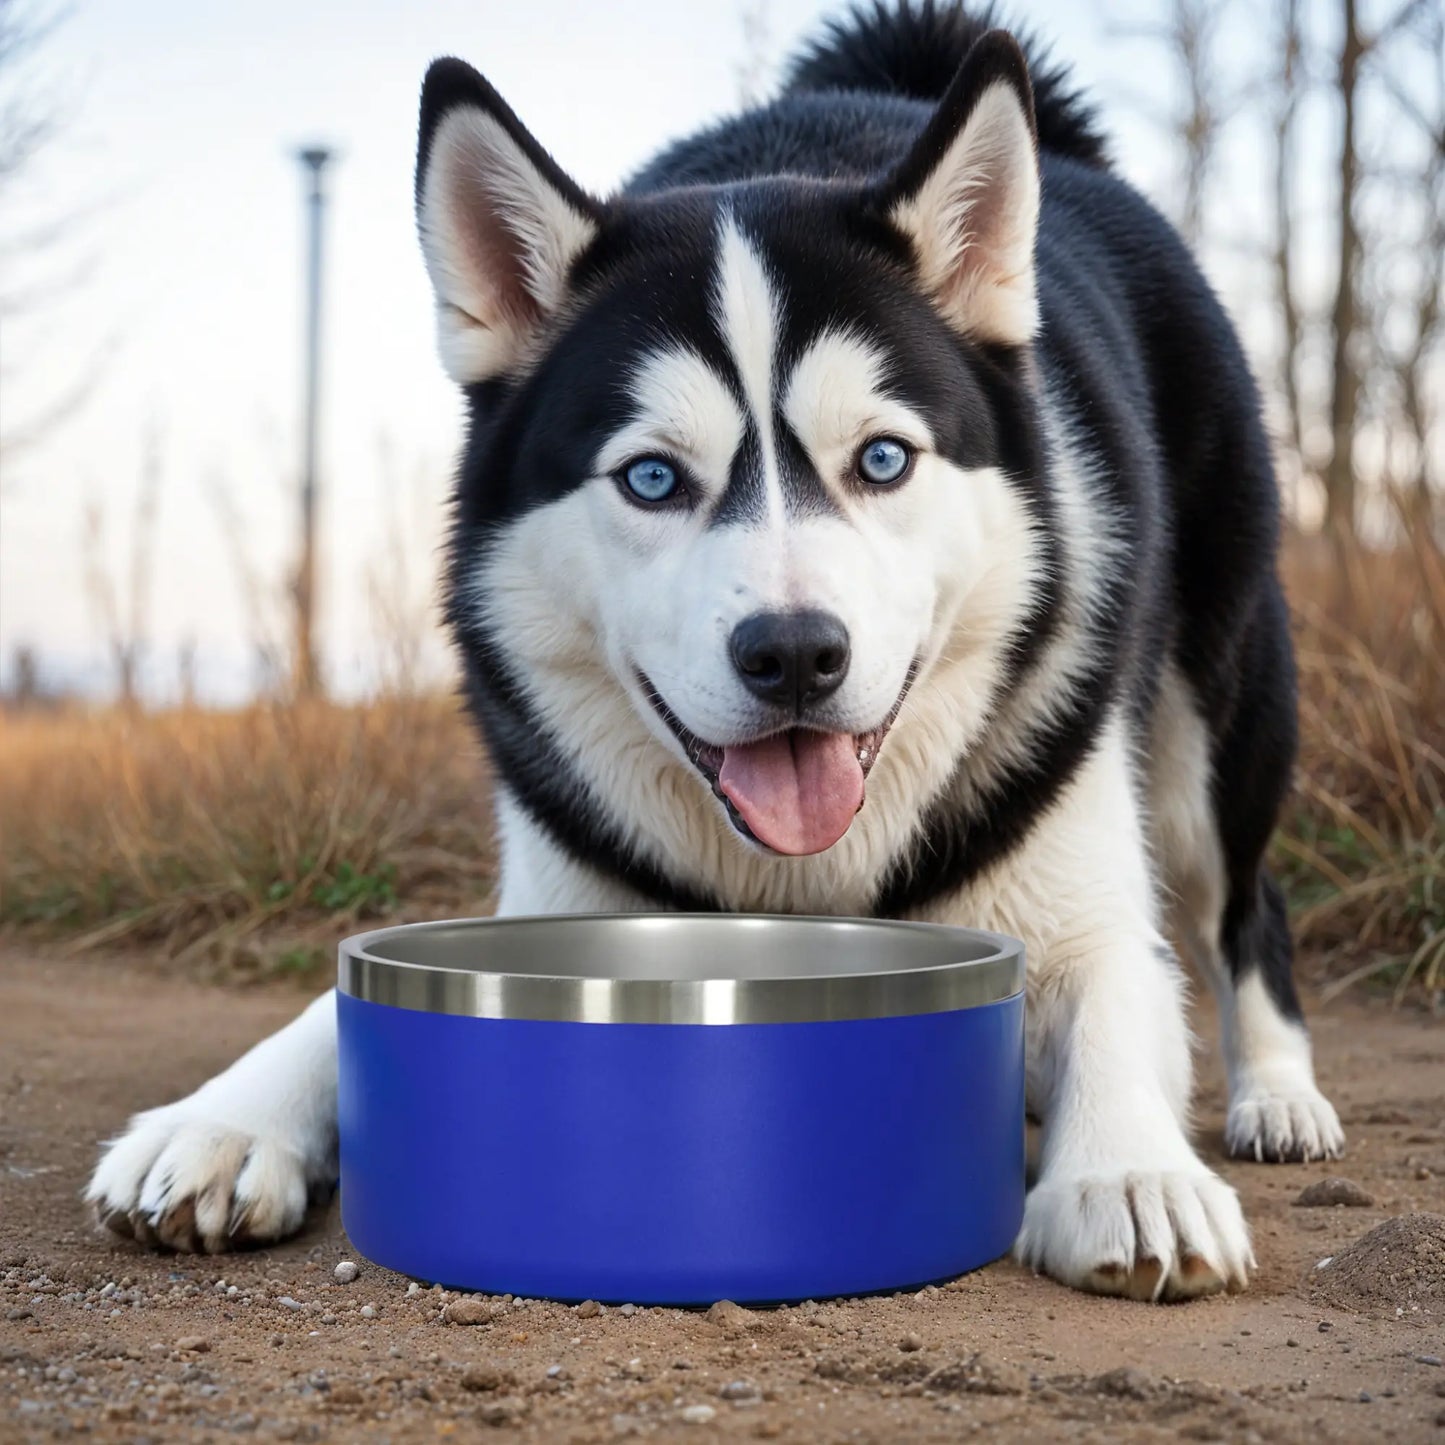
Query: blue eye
(651, 479)
(883, 460)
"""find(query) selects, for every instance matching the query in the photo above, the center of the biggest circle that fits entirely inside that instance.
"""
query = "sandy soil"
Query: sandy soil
(101, 1338)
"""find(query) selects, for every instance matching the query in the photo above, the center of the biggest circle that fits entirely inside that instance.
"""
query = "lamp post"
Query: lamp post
(306, 675)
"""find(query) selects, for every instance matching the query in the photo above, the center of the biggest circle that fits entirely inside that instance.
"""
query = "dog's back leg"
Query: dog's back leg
(1215, 803)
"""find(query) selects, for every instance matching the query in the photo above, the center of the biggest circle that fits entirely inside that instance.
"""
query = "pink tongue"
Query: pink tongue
(797, 791)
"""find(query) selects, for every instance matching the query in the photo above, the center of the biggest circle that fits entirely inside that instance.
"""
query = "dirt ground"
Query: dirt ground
(99, 1338)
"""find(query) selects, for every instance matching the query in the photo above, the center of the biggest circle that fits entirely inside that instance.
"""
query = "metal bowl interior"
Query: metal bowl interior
(680, 968)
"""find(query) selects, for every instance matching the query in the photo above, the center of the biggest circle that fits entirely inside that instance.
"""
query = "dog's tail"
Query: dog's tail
(915, 47)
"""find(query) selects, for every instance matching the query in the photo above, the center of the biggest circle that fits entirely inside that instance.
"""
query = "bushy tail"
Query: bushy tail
(914, 48)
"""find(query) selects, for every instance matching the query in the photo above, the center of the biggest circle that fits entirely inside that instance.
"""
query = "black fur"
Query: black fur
(1134, 349)
(915, 50)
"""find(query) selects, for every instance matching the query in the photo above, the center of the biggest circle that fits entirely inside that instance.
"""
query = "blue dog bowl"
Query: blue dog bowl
(676, 1109)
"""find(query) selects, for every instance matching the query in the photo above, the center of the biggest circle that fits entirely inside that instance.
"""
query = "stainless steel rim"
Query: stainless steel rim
(651, 968)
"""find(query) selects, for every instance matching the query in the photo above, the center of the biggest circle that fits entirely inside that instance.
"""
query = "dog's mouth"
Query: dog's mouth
(796, 791)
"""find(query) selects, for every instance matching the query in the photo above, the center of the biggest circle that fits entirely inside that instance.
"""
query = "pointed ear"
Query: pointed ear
(967, 197)
(501, 224)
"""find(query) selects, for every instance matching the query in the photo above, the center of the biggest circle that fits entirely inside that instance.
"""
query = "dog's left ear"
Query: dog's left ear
(501, 224)
(967, 197)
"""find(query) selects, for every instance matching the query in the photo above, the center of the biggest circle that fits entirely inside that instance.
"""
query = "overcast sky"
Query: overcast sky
(177, 282)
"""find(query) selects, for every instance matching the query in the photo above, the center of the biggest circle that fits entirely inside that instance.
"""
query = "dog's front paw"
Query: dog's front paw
(1277, 1125)
(1148, 1235)
(178, 1179)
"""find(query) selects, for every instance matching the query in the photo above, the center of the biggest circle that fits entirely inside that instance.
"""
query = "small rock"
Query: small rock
(195, 1344)
(698, 1415)
(1325, 1327)
(909, 1344)
(412, 1288)
(498, 1413)
(328, 1318)
(1365, 1397)
(287, 1303)
(729, 1316)
(627, 1311)
(1427, 1359)
(1324, 1192)
(484, 1377)
(588, 1309)
(368, 1312)
(345, 1272)
(1292, 1344)
(467, 1311)
(1126, 1383)
(977, 1375)
(1424, 1172)
(556, 1372)
(681, 1364)
(740, 1390)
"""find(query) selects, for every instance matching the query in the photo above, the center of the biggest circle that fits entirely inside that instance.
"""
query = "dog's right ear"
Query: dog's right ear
(501, 224)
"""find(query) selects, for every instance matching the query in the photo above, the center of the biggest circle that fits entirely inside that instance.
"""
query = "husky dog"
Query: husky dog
(865, 511)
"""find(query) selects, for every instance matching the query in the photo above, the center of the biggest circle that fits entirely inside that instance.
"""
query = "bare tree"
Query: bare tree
(1358, 364)
(186, 672)
(1339, 472)
(1187, 32)
(27, 120)
(262, 601)
(1415, 361)
(124, 616)
(1288, 86)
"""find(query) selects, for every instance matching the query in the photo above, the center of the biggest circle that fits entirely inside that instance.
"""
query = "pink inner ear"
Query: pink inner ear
(493, 249)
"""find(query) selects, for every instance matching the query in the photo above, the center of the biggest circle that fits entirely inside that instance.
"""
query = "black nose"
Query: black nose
(792, 658)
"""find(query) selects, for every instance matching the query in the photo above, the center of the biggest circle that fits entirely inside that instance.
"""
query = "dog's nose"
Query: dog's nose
(792, 658)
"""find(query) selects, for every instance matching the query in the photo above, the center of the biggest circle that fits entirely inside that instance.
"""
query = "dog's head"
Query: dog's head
(734, 480)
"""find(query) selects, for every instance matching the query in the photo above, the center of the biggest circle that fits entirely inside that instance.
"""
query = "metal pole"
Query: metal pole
(307, 677)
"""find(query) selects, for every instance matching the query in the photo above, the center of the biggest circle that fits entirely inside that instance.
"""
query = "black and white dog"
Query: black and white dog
(877, 440)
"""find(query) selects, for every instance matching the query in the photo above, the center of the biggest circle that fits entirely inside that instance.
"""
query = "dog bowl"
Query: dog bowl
(676, 1109)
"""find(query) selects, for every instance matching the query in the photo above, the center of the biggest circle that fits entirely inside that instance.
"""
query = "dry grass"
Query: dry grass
(1362, 853)
(199, 832)
(264, 834)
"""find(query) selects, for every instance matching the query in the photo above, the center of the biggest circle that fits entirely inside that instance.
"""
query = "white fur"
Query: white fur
(682, 409)
(746, 306)
(480, 182)
(1123, 1205)
(1275, 1108)
(240, 1155)
(973, 222)
(836, 399)
(1092, 552)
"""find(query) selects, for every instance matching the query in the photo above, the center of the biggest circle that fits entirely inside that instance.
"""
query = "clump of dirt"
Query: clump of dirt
(1397, 1268)
(1334, 1191)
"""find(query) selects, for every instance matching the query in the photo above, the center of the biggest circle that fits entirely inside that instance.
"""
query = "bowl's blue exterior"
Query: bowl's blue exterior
(681, 1163)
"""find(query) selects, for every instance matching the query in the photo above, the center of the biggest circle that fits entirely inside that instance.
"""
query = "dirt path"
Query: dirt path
(98, 1337)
